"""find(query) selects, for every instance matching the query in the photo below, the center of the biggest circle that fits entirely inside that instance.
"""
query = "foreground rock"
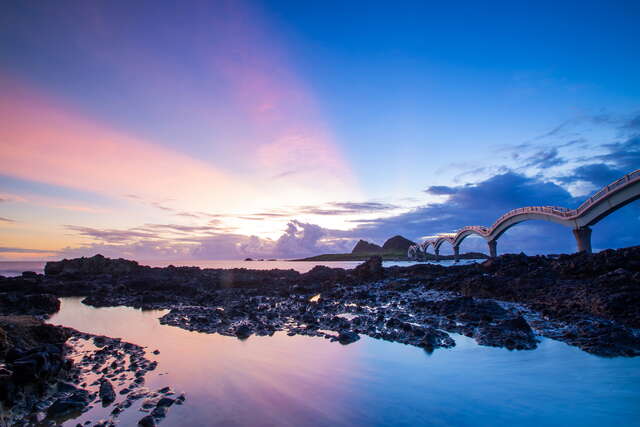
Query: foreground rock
(53, 374)
(588, 300)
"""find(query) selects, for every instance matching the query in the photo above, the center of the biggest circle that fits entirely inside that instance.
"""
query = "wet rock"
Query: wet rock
(243, 332)
(17, 303)
(347, 337)
(166, 401)
(147, 421)
(370, 270)
(433, 339)
(514, 334)
(76, 403)
(106, 393)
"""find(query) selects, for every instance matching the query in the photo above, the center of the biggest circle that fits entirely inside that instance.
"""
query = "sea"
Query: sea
(15, 268)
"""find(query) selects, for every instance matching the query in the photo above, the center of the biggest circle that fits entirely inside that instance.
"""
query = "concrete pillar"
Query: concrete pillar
(583, 239)
(437, 251)
(493, 248)
(456, 253)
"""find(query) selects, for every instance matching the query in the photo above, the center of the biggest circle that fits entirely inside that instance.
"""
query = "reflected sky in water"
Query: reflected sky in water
(293, 381)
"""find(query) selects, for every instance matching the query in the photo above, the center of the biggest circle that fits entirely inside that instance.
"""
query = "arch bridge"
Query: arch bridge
(606, 201)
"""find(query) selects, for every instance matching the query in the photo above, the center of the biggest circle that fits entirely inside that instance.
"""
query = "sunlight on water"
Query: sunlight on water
(294, 381)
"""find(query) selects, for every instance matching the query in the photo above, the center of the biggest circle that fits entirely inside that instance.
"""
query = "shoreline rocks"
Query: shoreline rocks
(594, 299)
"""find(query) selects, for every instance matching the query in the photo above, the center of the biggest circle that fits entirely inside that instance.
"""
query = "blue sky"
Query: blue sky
(230, 129)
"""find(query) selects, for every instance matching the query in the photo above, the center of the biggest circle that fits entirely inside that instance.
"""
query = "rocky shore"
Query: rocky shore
(591, 301)
(51, 374)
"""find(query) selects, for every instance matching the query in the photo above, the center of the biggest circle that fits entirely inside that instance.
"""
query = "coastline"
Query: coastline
(590, 301)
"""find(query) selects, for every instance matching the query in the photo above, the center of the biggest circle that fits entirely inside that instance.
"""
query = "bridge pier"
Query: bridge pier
(583, 239)
(437, 251)
(456, 253)
(493, 248)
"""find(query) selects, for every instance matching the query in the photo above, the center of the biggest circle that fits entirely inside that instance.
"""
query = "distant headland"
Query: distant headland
(394, 249)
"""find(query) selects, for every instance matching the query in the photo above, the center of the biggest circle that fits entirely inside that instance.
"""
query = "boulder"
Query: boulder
(347, 337)
(370, 269)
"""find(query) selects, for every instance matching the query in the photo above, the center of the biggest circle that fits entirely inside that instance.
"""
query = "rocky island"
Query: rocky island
(394, 249)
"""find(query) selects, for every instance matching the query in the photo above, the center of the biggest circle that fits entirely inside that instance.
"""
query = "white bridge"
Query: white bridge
(606, 201)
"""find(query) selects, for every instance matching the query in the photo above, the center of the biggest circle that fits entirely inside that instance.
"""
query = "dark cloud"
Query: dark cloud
(441, 190)
(599, 174)
(624, 154)
(544, 159)
(364, 206)
(346, 208)
(2, 219)
(632, 124)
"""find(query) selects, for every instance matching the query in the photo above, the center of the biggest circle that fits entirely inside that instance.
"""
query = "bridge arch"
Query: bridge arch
(597, 207)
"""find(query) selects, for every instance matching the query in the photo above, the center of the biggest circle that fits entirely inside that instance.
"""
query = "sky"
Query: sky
(160, 130)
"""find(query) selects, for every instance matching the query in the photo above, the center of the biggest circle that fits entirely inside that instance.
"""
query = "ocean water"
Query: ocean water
(309, 381)
(15, 268)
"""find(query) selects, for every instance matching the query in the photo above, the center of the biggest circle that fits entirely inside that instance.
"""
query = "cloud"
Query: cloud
(440, 190)
(2, 219)
(598, 174)
(346, 208)
(624, 154)
(544, 159)
(183, 242)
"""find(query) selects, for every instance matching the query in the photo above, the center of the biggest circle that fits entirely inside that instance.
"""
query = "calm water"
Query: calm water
(295, 381)
(15, 268)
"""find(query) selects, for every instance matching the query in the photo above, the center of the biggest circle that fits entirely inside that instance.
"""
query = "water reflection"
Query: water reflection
(293, 381)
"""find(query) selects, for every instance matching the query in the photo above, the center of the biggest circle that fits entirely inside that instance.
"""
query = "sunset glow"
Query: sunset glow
(238, 128)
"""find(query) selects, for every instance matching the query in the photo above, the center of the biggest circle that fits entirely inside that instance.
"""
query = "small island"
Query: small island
(394, 249)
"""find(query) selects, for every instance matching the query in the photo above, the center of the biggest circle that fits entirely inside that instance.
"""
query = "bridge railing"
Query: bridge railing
(553, 210)
(628, 178)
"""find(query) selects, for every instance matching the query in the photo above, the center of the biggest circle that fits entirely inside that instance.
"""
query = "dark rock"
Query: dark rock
(66, 406)
(94, 266)
(347, 337)
(243, 332)
(166, 401)
(106, 393)
(433, 339)
(370, 269)
(514, 334)
(147, 421)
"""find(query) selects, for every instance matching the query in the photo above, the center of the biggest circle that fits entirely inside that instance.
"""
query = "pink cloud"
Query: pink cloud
(42, 140)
